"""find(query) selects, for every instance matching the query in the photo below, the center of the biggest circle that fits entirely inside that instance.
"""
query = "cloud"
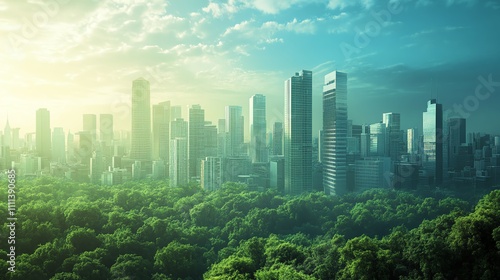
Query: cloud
(218, 10)
(342, 4)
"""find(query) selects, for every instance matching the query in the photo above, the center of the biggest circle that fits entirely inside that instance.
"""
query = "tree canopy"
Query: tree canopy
(148, 230)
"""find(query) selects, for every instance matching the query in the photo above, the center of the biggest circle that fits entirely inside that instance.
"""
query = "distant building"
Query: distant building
(59, 145)
(90, 126)
(277, 173)
(141, 148)
(234, 127)
(178, 162)
(158, 170)
(257, 126)
(106, 129)
(43, 143)
(211, 173)
(377, 140)
(179, 172)
(161, 131)
(210, 144)
(392, 122)
(372, 173)
(233, 167)
(456, 138)
(196, 140)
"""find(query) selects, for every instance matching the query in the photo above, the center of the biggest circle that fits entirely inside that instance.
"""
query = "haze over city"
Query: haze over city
(75, 57)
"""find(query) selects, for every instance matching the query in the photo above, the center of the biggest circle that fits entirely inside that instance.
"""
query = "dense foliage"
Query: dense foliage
(147, 230)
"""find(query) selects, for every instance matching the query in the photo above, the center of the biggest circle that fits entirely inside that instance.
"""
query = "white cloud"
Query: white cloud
(339, 16)
(342, 4)
(218, 10)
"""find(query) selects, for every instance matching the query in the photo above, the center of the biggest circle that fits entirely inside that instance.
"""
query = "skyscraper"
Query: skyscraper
(378, 140)
(335, 133)
(278, 139)
(222, 138)
(161, 131)
(456, 137)
(59, 147)
(298, 133)
(175, 112)
(90, 125)
(412, 139)
(392, 122)
(141, 147)
(210, 140)
(106, 129)
(433, 141)
(196, 140)
(257, 125)
(234, 127)
(43, 143)
(178, 155)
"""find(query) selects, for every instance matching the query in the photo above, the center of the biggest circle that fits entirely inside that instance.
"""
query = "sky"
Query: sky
(74, 57)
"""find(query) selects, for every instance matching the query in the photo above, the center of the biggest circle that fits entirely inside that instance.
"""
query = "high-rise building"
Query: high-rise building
(90, 125)
(211, 173)
(372, 173)
(234, 127)
(277, 173)
(175, 112)
(335, 133)
(364, 142)
(222, 138)
(377, 140)
(70, 147)
(178, 155)
(43, 143)
(178, 128)
(141, 147)
(456, 137)
(393, 143)
(298, 133)
(58, 145)
(161, 131)
(106, 129)
(278, 139)
(412, 140)
(158, 170)
(85, 147)
(179, 173)
(210, 140)
(257, 125)
(196, 140)
(433, 141)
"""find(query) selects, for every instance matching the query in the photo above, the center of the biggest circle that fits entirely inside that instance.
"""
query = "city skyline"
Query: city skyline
(248, 44)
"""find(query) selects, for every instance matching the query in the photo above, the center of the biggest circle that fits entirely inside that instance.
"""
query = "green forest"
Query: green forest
(148, 230)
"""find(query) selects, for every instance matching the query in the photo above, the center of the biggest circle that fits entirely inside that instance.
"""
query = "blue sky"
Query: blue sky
(76, 57)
